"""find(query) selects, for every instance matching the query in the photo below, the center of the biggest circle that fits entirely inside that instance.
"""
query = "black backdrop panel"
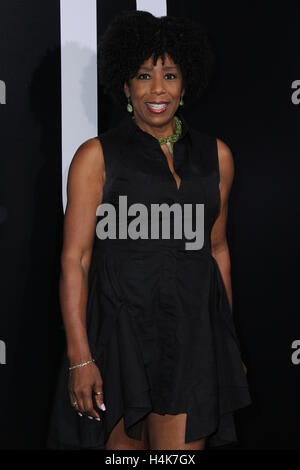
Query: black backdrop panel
(108, 113)
(32, 217)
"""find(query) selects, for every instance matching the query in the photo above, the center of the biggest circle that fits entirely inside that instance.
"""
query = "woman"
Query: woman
(152, 356)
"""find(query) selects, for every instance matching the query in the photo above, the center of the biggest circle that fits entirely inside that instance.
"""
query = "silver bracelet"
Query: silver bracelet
(82, 364)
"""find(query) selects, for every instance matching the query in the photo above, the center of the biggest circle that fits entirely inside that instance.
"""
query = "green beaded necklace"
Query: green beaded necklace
(172, 137)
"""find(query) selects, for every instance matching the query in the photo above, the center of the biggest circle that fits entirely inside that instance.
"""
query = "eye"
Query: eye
(142, 74)
(171, 74)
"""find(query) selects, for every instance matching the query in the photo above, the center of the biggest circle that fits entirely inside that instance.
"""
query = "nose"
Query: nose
(157, 85)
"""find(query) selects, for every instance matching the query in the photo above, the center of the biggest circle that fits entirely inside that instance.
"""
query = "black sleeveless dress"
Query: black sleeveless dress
(158, 317)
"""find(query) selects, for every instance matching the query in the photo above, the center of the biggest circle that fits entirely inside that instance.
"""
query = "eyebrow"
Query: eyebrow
(165, 67)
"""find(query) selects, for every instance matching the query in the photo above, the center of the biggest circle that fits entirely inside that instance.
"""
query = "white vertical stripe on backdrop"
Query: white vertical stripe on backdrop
(156, 7)
(78, 24)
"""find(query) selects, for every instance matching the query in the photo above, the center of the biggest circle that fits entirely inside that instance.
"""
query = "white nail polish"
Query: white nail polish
(103, 407)
(98, 419)
(90, 417)
(79, 414)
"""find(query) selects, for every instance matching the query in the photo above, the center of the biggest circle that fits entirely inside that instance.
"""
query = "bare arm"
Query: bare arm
(219, 246)
(84, 190)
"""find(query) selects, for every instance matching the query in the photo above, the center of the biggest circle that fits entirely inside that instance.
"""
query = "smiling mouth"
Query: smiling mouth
(157, 107)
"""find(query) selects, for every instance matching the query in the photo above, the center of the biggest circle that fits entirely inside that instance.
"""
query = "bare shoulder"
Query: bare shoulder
(84, 194)
(226, 163)
(88, 158)
(87, 171)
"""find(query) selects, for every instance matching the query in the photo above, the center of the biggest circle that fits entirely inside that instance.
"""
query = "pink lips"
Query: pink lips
(157, 111)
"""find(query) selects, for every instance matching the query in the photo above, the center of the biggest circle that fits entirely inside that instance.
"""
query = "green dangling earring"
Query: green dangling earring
(129, 105)
(181, 103)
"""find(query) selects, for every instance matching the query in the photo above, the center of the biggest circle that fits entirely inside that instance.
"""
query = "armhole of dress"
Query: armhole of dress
(107, 144)
(100, 140)
(216, 158)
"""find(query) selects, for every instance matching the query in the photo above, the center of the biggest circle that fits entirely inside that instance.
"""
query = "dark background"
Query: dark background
(248, 106)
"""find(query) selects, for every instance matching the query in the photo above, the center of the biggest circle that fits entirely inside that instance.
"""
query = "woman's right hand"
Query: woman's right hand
(83, 382)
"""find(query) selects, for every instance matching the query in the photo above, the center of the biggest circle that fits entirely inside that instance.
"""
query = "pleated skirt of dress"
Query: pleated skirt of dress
(164, 342)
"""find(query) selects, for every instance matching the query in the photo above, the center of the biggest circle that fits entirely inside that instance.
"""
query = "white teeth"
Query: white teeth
(157, 106)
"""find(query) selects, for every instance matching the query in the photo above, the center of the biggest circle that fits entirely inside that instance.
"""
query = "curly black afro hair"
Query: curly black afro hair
(133, 36)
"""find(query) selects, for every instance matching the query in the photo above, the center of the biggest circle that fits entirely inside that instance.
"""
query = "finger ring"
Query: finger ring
(99, 393)
(74, 403)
